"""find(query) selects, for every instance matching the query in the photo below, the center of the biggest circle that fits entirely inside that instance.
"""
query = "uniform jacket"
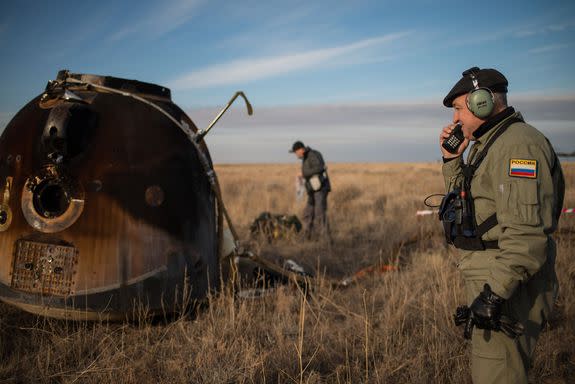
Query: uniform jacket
(313, 164)
(521, 181)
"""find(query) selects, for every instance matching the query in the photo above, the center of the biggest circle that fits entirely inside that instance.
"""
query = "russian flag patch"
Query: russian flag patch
(523, 168)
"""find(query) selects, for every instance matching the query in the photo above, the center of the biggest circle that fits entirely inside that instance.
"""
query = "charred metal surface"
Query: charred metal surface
(133, 86)
(118, 180)
(67, 131)
(43, 268)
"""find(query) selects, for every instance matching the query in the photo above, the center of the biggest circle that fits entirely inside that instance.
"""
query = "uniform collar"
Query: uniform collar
(492, 122)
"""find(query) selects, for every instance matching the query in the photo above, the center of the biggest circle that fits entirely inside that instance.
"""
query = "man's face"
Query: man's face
(469, 122)
(299, 153)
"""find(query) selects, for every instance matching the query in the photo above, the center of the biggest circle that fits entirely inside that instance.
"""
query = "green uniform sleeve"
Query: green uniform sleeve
(452, 173)
(524, 208)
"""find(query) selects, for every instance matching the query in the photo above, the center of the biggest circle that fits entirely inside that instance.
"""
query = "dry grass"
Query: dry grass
(391, 328)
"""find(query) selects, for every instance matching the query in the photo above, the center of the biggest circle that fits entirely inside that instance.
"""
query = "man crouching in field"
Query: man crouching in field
(501, 209)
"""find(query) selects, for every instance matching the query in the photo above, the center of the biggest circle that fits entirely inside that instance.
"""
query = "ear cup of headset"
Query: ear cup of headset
(480, 102)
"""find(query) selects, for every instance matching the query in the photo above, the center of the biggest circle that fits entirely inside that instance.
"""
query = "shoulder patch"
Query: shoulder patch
(523, 168)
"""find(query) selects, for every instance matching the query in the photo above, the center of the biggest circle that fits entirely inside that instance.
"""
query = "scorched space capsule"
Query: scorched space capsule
(108, 202)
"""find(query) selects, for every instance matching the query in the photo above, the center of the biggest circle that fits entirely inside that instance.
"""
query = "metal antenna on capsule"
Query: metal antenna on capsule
(204, 132)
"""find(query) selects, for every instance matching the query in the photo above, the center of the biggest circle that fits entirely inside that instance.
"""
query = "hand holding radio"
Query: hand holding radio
(453, 143)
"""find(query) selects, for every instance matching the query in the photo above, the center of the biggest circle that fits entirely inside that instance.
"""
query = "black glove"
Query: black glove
(485, 313)
(486, 309)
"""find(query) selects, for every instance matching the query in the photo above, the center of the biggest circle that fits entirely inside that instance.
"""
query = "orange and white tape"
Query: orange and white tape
(568, 210)
(426, 212)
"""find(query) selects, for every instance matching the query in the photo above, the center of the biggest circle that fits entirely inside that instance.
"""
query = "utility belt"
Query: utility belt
(456, 212)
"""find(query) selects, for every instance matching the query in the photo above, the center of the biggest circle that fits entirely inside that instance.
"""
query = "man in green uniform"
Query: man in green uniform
(512, 189)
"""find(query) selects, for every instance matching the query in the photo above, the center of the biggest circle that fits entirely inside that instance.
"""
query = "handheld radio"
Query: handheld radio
(452, 143)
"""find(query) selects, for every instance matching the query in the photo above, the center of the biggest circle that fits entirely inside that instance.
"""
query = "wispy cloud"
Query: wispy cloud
(363, 132)
(159, 20)
(548, 48)
(295, 27)
(514, 31)
(534, 30)
(244, 70)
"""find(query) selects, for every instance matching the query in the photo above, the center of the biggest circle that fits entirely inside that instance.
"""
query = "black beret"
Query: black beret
(486, 78)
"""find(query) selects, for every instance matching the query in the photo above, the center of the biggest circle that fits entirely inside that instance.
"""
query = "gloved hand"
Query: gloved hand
(485, 313)
(486, 309)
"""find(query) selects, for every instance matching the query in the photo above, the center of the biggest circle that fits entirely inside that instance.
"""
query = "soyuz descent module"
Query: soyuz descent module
(108, 202)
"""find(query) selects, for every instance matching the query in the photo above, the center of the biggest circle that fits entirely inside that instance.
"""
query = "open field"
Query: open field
(394, 327)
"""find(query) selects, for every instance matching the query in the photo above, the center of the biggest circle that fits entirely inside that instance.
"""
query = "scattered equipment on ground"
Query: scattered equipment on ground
(275, 226)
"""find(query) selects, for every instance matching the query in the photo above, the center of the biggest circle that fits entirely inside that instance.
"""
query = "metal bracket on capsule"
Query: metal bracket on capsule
(57, 92)
(5, 211)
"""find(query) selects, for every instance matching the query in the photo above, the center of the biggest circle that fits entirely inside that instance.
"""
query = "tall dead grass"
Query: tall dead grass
(390, 328)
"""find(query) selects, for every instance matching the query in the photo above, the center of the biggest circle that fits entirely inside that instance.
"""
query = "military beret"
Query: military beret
(486, 78)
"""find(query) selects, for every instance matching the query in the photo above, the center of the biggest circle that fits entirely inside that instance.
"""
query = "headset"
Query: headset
(480, 100)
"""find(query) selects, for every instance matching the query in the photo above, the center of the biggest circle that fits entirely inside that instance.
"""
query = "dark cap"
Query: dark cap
(486, 78)
(297, 145)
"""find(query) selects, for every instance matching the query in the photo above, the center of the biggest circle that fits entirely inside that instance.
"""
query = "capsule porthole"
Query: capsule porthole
(50, 199)
(51, 204)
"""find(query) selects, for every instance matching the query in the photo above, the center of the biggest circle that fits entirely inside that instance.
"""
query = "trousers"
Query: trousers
(495, 357)
(315, 214)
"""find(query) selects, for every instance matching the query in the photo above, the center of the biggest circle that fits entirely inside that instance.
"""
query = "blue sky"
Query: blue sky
(359, 80)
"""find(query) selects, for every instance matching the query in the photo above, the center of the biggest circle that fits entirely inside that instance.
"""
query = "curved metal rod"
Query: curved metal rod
(200, 135)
